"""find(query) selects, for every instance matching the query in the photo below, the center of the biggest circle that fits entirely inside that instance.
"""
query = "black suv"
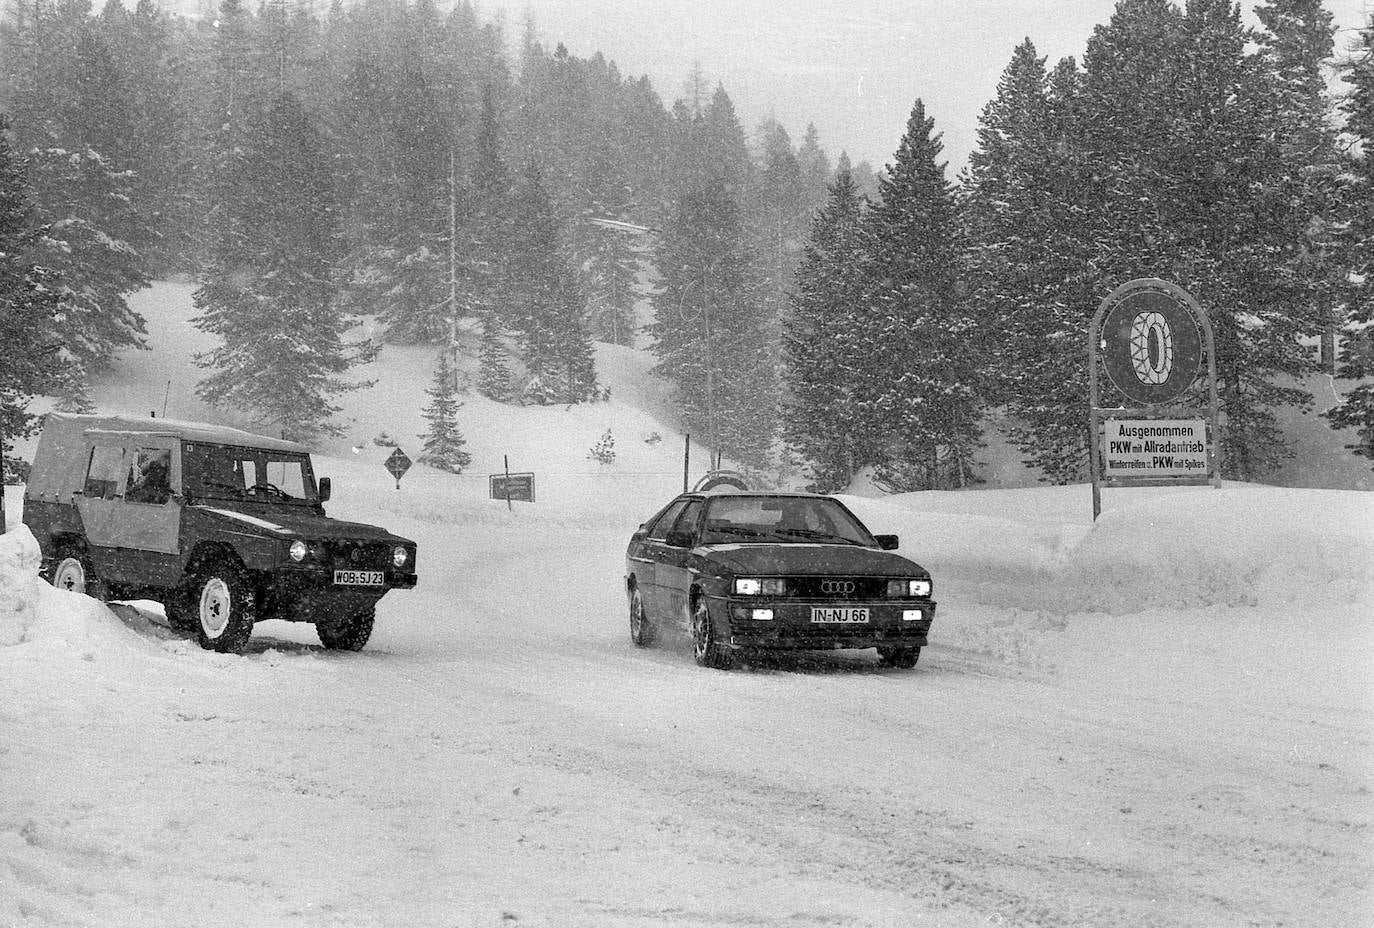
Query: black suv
(222, 526)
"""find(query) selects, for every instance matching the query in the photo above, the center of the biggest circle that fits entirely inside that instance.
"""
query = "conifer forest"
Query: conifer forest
(417, 167)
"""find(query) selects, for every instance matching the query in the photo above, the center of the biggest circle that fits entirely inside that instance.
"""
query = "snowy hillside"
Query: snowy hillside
(1165, 718)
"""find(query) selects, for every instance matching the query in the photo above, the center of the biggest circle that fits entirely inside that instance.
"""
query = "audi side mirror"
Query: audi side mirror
(325, 489)
(888, 542)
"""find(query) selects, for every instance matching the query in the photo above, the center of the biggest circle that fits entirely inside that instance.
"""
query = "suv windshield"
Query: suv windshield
(773, 519)
(226, 472)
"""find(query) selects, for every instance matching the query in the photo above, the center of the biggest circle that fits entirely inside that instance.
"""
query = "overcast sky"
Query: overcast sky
(853, 67)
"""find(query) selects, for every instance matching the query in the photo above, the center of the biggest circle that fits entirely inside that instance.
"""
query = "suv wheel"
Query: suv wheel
(224, 609)
(349, 634)
(71, 570)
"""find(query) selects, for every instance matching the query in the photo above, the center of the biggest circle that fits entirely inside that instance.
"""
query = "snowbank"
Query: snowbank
(35, 614)
(1242, 545)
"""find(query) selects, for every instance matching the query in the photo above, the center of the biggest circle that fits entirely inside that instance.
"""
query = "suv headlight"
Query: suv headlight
(905, 589)
(399, 556)
(754, 586)
(299, 550)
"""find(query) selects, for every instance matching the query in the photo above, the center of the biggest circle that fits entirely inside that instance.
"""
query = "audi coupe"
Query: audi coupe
(752, 572)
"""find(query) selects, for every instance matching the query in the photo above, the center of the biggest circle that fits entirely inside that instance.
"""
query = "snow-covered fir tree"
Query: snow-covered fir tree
(549, 309)
(443, 442)
(603, 452)
(1028, 270)
(270, 295)
(713, 338)
(94, 243)
(28, 309)
(822, 356)
(1356, 409)
(920, 386)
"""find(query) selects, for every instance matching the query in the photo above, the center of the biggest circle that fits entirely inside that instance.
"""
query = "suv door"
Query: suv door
(100, 498)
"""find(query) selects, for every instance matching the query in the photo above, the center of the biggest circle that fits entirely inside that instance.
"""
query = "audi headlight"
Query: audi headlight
(754, 586)
(399, 556)
(904, 589)
(299, 550)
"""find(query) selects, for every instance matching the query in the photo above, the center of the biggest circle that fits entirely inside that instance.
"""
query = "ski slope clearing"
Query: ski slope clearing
(1165, 718)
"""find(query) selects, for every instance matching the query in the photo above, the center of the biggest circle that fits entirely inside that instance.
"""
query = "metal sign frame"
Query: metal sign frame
(1098, 415)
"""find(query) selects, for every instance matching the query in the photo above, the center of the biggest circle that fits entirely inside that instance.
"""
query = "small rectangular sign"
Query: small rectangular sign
(1154, 448)
(519, 487)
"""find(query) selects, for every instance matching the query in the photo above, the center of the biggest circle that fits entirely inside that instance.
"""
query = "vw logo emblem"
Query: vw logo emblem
(837, 586)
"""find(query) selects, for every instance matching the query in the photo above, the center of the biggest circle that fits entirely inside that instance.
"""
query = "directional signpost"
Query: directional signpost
(1151, 338)
(508, 486)
(398, 464)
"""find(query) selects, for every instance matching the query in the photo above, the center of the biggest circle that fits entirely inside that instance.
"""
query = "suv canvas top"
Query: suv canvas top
(67, 433)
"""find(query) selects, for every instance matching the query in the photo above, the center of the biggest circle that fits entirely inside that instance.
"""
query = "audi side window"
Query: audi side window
(660, 529)
(687, 521)
(102, 474)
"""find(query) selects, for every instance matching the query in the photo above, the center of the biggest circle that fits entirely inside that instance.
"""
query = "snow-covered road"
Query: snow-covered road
(501, 754)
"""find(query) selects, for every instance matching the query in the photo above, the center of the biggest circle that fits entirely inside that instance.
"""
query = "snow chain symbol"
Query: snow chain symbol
(1152, 347)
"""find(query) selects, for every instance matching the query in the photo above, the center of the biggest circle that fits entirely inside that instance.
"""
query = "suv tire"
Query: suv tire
(71, 570)
(223, 605)
(348, 634)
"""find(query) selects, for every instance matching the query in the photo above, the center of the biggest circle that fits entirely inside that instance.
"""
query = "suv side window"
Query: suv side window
(660, 528)
(150, 476)
(102, 473)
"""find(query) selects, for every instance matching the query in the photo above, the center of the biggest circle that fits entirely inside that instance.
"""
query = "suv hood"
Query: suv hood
(298, 523)
(810, 559)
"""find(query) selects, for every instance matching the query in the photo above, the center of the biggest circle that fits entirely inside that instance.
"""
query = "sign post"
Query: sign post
(398, 463)
(508, 486)
(1151, 338)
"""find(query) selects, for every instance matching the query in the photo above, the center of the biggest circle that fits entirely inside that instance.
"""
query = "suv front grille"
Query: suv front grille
(344, 555)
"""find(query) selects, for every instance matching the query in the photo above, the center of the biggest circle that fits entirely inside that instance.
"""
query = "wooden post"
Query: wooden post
(505, 458)
(686, 460)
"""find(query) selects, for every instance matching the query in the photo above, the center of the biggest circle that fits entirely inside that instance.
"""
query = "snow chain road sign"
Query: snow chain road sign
(1151, 338)
(1151, 346)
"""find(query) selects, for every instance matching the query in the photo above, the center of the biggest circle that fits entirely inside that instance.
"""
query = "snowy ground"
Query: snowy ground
(1165, 719)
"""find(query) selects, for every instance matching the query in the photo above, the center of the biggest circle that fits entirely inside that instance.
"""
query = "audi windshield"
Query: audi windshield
(781, 520)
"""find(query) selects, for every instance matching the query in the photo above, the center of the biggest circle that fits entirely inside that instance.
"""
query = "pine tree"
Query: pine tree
(1029, 270)
(822, 358)
(714, 341)
(1356, 409)
(443, 448)
(549, 308)
(603, 452)
(270, 295)
(1184, 188)
(95, 244)
(920, 387)
(28, 310)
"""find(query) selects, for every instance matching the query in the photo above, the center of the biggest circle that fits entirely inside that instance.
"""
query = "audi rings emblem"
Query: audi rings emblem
(837, 586)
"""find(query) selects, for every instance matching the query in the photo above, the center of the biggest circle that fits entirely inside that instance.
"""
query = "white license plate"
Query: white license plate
(839, 615)
(359, 577)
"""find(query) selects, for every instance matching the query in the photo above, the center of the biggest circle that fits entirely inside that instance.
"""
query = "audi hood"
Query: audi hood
(809, 559)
